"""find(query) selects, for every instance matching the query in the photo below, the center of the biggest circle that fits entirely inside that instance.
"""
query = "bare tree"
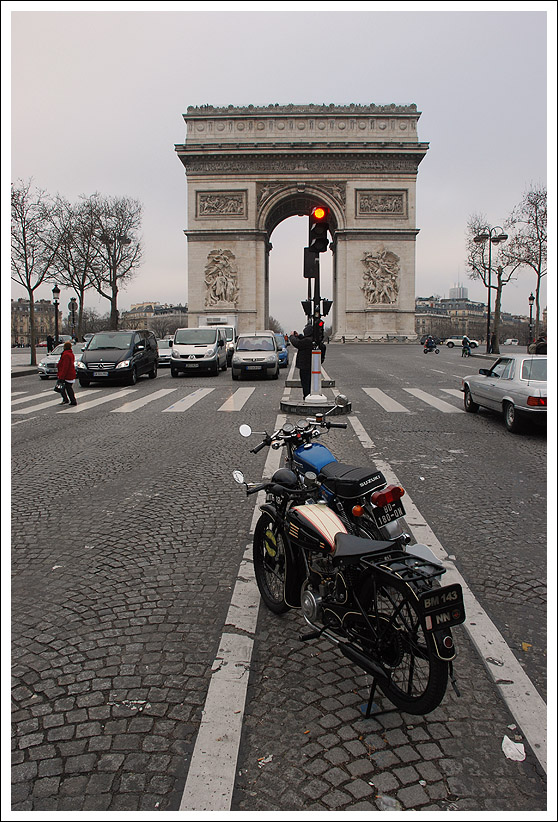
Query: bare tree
(485, 262)
(274, 325)
(117, 223)
(33, 245)
(78, 247)
(529, 245)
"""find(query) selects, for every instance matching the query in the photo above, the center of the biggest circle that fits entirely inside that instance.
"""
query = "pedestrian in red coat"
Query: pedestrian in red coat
(67, 373)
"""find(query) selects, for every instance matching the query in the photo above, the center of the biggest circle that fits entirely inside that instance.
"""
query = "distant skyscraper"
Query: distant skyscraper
(459, 293)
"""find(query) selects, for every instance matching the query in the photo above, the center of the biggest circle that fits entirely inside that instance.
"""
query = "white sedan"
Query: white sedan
(515, 386)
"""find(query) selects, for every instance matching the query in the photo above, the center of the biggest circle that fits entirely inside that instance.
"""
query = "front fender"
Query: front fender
(295, 570)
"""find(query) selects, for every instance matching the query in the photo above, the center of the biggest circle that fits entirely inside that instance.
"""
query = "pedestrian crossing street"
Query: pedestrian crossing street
(176, 401)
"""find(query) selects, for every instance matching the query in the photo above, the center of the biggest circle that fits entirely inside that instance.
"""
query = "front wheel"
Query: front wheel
(450, 345)
(84, 383)
(270, 563)
(153, 373)
(133, 378)
(415, 679)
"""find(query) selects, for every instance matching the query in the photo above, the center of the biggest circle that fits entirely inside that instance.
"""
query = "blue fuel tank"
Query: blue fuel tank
(312, 457)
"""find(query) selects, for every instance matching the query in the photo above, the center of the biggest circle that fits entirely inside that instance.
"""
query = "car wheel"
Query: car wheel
(133, 377)
(276, 375)
(470, 405)
(84, 383)
(473, 345)
(235, 376)
(153, 372)
(512, 418)
(450, 345)
(174, 372)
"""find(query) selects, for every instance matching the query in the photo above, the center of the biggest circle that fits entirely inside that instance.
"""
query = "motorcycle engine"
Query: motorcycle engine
(311, 604)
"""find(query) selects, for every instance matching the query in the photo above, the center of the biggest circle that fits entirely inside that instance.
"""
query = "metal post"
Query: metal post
(531, 301)
(316, 379)
(488, 346)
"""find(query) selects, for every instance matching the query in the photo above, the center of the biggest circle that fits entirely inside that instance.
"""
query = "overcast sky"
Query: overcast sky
(98, 91)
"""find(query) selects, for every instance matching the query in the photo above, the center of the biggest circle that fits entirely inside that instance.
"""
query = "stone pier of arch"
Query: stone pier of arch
(250, 168)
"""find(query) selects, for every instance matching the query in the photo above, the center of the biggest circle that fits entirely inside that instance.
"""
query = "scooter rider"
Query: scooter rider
(430, 344)
(465, 346)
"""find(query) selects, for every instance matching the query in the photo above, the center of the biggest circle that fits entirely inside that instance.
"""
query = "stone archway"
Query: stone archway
(250, 168)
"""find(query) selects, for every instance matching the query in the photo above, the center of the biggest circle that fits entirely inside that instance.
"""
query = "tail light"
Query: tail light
(389, 494)
(538, 402)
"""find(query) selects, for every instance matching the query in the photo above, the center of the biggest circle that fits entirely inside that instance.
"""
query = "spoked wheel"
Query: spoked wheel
(415, 678)
(269, 563)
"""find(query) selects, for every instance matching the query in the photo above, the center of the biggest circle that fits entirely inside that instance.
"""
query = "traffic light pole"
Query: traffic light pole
(316, 395)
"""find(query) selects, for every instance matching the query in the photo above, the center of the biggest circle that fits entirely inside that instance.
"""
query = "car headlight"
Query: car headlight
(209, 353)
(270, 358)
(175, 353)
(80, 364)
(123, 364)
(42, 364)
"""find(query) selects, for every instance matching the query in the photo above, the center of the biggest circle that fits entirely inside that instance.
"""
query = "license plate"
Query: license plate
(443, 607)
(389, 512)
(254, 368)
(100, 373)
(191, 365)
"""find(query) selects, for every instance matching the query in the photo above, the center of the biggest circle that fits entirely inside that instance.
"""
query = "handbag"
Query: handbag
(59, 387)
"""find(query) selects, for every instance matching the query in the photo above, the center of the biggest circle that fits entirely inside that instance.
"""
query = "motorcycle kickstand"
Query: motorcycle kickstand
(368, 713)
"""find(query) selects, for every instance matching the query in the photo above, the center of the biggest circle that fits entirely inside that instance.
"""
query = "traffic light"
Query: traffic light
(319, 226)
(326, 306)
(319, 331)
(311, 264)
(307, 307)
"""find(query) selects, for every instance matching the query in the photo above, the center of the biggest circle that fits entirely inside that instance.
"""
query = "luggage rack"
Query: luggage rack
(408, 567)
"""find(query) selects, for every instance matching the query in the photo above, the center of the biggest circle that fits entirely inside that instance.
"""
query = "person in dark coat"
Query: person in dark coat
(67, 373)
(304, 345)
(50, 343)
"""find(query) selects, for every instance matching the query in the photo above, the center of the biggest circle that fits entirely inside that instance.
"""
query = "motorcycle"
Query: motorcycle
(382, 606)
(429, 348)
(361, 497)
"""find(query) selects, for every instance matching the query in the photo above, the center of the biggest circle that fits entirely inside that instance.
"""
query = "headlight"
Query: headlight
(271, 358)
(80, 364)
(42, 365)
(123, 364)
(209, 353)
(175, 353)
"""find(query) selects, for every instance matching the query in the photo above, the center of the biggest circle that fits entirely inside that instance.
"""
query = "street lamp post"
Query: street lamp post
(531, 301)
(495, 235)
(55, 298)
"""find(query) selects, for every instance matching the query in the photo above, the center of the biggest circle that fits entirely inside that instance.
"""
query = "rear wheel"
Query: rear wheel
(270, 563)
(511, 418)
(415, 678)
(153, 372)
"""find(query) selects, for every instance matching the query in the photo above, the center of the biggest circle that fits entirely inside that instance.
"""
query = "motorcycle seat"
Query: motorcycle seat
(348, 547)
(349, 481)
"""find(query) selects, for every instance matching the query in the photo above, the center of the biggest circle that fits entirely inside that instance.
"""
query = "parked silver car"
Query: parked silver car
(514, 386)
(164, 347)
(48, 366)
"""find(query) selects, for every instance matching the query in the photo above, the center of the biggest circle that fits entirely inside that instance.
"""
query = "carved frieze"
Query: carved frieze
(374, 203)
(221, 279)
(266, 190)
(221, 204)
(290, 164)
(381, 277)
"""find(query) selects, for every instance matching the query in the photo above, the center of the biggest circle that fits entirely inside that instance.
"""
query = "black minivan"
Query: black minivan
(118, 355)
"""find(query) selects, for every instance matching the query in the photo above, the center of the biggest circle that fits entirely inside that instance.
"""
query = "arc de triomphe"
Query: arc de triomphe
(249, 168)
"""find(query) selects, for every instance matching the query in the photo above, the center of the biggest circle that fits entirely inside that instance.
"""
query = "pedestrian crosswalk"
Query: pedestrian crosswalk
(177, 400)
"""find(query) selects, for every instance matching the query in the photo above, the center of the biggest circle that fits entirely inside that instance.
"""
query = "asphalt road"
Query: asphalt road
(128, 533)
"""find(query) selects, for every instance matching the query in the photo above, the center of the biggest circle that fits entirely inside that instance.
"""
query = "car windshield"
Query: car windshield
(119, 339)
(254, 344)
(533, 370)
(195, 336)
(164, 343)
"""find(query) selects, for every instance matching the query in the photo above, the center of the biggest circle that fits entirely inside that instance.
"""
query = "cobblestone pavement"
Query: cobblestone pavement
(127, 537)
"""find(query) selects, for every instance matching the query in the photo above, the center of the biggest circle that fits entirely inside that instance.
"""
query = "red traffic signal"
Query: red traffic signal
(319, 226)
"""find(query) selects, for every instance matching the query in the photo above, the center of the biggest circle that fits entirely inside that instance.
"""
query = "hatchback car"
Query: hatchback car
(515, 386)
(164, 347)
(118, 355)
(283, 351)
(48, 366)
(458, 339)
(511, 342)
(256, 354)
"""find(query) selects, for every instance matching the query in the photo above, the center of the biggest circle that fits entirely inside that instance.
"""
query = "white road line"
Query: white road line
(18, 422)
(237, 401)
(55, 401)
(211, 776)
(455, 392)
(434, 401)
(358, 428)
(387, 403)
(188, 401)
(128, 407)
(32, 397)
(85, 406)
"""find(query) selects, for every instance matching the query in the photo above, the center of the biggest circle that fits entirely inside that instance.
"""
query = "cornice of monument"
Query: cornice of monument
(290, 109)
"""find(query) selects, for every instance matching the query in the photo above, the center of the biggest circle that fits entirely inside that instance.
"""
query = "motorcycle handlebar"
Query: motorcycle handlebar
(336, 424)
(259, 447)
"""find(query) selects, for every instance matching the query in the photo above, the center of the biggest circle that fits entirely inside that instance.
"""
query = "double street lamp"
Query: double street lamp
(495, 236)
(55, 298)
(531, 301)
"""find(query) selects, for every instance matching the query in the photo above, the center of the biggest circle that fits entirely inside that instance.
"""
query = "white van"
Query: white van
(511, 342)
(198, 349)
